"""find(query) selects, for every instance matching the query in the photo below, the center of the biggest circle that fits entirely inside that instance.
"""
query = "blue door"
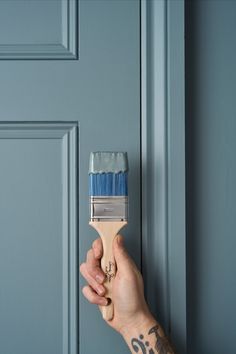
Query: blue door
(69, 84)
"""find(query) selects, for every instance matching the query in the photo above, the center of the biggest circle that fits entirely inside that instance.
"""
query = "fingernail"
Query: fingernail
(104, 302)
(99, 278)
(100, 290)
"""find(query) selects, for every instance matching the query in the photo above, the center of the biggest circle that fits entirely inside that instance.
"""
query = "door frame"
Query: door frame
(163, 164)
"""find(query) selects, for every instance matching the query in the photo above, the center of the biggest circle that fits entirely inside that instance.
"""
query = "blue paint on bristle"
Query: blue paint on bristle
(108, 184)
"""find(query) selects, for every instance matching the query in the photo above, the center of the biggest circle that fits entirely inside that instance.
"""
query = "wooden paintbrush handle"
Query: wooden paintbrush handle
(109, 268)
(108, 231)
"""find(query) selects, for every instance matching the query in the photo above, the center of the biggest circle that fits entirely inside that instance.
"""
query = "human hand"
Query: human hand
(130, 308)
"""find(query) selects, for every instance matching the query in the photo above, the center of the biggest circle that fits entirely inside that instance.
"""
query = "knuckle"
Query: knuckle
(95, 243)
(84, 290)
(91, 270)
(87, 294)
(93, 299)
(82, 267)
(89, 253)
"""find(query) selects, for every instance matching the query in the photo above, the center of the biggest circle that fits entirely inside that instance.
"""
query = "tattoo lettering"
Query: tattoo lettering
(142, 345)
(110, 271)
(162, 345)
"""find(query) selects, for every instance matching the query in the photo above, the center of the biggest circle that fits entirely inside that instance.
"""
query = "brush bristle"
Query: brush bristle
(108, 184)
(108, 174)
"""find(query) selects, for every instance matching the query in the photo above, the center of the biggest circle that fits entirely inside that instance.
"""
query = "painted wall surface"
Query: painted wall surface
(211, 175)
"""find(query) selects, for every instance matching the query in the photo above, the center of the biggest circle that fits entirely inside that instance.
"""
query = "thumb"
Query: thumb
(121, 256)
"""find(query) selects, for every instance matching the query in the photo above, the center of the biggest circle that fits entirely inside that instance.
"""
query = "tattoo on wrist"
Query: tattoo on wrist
(162, 346)
(141, 346)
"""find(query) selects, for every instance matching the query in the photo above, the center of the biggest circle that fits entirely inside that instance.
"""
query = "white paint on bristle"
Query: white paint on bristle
(106, 161)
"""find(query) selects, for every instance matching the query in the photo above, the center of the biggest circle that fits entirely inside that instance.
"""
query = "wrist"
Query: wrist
(136, 326)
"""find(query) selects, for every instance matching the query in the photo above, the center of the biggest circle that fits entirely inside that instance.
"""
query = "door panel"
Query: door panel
(52, 114)
(38, 29)
(37, 260)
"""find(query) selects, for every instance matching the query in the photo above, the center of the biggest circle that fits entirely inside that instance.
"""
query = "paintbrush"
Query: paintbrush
(108, 190)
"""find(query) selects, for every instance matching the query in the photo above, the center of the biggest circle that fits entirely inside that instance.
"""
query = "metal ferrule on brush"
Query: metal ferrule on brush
(109, 208)
(108, 186)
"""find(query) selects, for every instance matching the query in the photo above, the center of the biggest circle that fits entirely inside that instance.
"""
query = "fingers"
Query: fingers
(92, 297)
(93, 267)
(91, 281)
(97, 248)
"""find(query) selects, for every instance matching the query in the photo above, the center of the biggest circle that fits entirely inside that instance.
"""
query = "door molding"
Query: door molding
(67, 133)
(66, 49)
(163, 164)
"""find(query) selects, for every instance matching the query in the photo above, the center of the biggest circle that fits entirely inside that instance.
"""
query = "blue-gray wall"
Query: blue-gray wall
(211, 175)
